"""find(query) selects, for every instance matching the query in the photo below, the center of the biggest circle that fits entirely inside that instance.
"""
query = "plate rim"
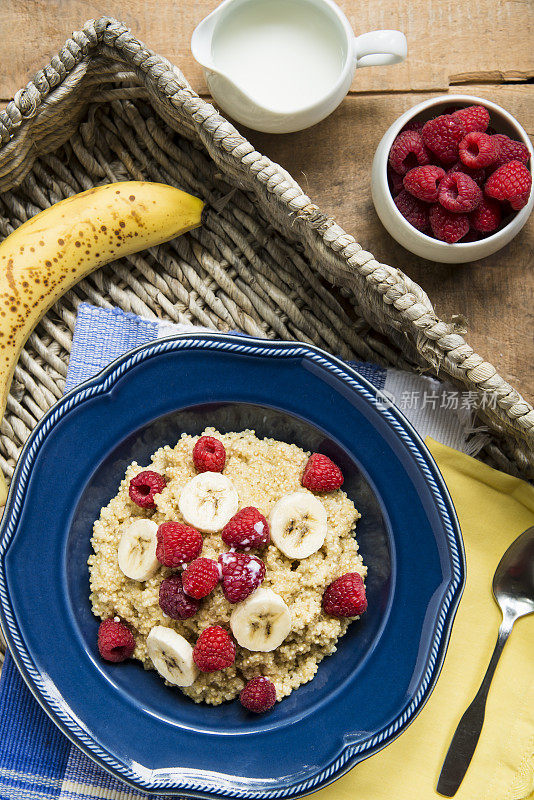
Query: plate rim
(101, 384)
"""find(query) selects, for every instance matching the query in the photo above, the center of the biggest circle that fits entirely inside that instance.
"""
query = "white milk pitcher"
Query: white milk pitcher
(283, 65)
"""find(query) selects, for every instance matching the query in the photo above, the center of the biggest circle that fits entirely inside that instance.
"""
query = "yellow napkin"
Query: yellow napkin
(493, 510)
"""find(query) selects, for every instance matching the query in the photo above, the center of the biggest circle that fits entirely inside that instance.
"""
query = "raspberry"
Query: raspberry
(214, 650)
(345, 597)
(394, 181)
(442, 135)
(177, 544)
(474, 118)
(321, 474)
(478, 150)
(478, 175)
(446, 225)
(413, 210)
(408, 151)
(248, 528)
(173, 601)
(487, 217)
(510, 150)
(510, 182)
(209, 455)
(422, 182)
(200, 577)
(144, 486)
(520, 202)
(115, 641)
(258, 695)
(459, 193)
(241, 574)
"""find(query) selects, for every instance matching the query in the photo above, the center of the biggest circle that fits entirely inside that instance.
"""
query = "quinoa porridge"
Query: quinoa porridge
(261, 476)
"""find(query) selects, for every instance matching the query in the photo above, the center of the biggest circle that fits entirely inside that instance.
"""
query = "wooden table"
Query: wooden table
(484, 49)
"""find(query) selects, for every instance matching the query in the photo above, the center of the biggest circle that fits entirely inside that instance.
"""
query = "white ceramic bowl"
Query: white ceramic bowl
(401, 230)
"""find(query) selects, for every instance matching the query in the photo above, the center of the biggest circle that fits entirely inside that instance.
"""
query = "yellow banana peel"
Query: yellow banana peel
(51, 252)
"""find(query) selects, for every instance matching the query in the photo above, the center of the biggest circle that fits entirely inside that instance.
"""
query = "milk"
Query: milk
(285, 54)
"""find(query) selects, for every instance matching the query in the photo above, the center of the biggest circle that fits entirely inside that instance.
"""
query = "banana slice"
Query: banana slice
(172, 656)
(261, 622)
(208, 501)
(137, 550)
(298, 524)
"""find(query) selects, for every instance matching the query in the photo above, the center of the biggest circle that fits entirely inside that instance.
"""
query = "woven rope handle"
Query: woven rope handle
(389, 300)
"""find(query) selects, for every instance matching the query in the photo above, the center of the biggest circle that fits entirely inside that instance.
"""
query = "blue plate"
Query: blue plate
(126, 719)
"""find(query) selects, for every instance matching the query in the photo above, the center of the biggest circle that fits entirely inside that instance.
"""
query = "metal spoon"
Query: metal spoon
(513, 588)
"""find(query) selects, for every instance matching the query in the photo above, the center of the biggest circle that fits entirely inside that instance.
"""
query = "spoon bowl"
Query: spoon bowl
(513, 582)
(513, 589)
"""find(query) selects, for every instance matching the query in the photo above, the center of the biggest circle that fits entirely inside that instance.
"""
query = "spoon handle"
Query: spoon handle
(468, 731)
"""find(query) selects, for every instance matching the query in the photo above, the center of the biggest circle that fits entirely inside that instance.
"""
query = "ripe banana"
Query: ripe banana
(47, 255)
(208, 501)
(261, 622)
(172, 656)
(298, 524)
(137, 550)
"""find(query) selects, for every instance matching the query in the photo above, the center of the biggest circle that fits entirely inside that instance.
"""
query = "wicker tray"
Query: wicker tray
(267, 261)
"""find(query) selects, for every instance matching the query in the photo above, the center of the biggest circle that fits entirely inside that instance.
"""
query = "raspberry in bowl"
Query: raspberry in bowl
(466, 188)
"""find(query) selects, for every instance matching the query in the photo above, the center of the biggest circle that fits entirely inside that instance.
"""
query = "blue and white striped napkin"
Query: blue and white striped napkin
(435, 409)
(36, 760)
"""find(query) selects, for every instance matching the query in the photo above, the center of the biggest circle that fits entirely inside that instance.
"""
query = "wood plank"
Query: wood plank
(332, 162)
(449, 42)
